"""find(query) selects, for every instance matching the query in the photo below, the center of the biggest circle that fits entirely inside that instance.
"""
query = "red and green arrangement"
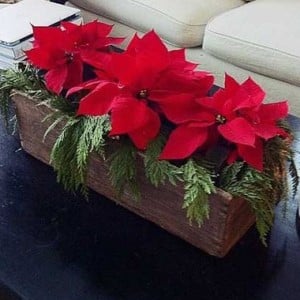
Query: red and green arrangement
(152, 102)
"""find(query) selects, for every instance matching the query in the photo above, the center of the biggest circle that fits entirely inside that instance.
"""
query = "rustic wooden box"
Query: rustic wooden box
(229, 220)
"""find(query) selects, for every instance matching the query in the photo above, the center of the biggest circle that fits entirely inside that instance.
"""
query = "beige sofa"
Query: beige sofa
(258, 39)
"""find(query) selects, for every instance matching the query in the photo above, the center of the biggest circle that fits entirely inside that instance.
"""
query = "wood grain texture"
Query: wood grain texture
(229, 220)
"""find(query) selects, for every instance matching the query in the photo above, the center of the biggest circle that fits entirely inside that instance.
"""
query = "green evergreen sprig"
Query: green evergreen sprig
(160, 171)
(28, 80)
(13, 79)
(79, 138)
(198, 185)
(256, 187)
(123, 169)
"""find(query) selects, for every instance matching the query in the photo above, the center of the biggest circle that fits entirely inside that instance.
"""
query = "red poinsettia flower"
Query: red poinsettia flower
(252, 155)
(238, 115)
(61, 51)
(151, 81)
(92, 35)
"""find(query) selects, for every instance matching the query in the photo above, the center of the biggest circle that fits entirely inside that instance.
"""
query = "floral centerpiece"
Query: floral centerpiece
(150, 102)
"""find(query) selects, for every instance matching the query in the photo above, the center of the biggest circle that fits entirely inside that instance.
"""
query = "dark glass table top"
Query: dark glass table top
(55, 245)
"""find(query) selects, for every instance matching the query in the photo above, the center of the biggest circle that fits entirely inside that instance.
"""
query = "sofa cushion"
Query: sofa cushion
(179, 22)
(261, 36)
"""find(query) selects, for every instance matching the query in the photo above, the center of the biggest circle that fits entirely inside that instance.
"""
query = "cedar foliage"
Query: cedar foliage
(123, 170)
(11, 79)
(264, 189)
(198, 185)
(242, 181)
(159, 171)
(27, 79)
(79, 138)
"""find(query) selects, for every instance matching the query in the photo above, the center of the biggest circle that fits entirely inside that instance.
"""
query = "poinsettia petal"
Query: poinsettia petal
(69, 26)
(178, 61)
(208, 102)
(55, 79)
(142, 136)
(135, 72)
(178, 108)
(254, 90)
(89, 31)
(128, 115)
(75, 73)
(236, 96)
(240, 100)
(103, 29)
(231, 85)
(74, 34)
(219, 102)
(43, 58)
(185, 82)
(273, 111)
(184, 141)
(202, 119)
(88, 85)
(149, 51)
(47, 36)
(95, 58)
(247, 95)
(109, 41)
(133, 44)
(177, 54)
(266, 131)
(92, 35)
(253, 156)
(146, 71)
(99, 101)
(123, 67)
(238, 131)
(204, 81)
(181, 112)
(151, 42)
